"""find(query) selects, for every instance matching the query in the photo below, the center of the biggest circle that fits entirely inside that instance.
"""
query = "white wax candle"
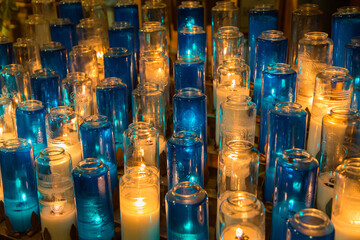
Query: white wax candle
(325, 192)
(74, 150)
(239, 232)
(58, 224)
(344, 231)
(314, 140)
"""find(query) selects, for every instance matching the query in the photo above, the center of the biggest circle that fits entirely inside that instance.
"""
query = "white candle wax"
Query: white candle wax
(239, 232)
(74, 150)
(314, 140)
(344, 231)
(325, 192)
(58, 224)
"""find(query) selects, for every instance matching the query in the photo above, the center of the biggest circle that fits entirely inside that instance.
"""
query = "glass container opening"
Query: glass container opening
(117, 52)
(141, 174)
(193, 29)
(152, 26)
(272, 35)
(142, 130)
(351, 167)
(52, 155)
(44, 73)
(229, 32)
(77, 78)
(189, 93)
(239, 146)
(31, 105)
(242, 203)
(61, 113)
(4, 39)
(263, 7)
(82, 50)
(12, 69)
(224, 5)
(312, 219)
(190, 4)
(316, 35)
(189, 58)
(348, 10)
(111, 82)
(51, 46)
(87, 23)
(90, 164)
(95, 121)
(185, 138)
(344, 113)
(15, 144)
(288, 107)
(355, 41)
(148, 89)
(125, 2)
(24, 42)
(61, 21)
(237, 99)
(335, 73)
(308, 7)
(297, 156)
(120, 25)
(36, 19)
(280, 68)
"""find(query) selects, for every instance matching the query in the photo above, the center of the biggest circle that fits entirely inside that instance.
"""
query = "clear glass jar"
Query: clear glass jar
(37, 28)
(27, 54)
(47, 8)
(7, 120)
(156, 11)
(6, 51)
(190, 13)
(152, 37)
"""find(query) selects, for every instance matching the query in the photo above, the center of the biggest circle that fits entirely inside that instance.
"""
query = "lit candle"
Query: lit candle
(239, 232)
(73, 149)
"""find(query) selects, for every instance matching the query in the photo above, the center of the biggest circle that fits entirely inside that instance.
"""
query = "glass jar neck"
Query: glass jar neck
(348, 10)
(272, 35)
(44, 73)
(4, 39)
(96, 121)
(263, 7)
(13, 69)
(190, 4)
(280, 68)
(16, 144)
(344, 113)
(228, 32)
(242, 205)
(288, 107)
(312, 220)
(189, 93)
(308, 7)
(31, 105)
(316, 36)
(61, 21)
(77, 78)
(121, 25)
(117, 52)
(239, 146)
(111, 82)
(185, 138)
(225, 5)
(51, 46)
(187, 193)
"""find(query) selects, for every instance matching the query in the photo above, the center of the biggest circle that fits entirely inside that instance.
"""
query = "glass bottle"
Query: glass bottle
(152, 37)
(306, 18)
(333, 88)
(278, 85)
(185, 159)
(314, 55)
(295, 184)
(94, 208)
(30, 124)
(345, 25)
(26, 53)
(286, 130)
(71, 9)
(352, 63)
(190, 13)
(187, 202)
(6, 51)
(156, 10)
(7, 120)
(192, 41)
(56, 193)
(37, 28)
(47, 8)
(53, 55)
(19, 185)
(63, 31)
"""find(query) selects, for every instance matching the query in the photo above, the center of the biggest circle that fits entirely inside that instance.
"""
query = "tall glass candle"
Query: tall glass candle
(187, 212)
(310, 224)
(271, 47)
(37, 28)
(47, 8)
(46, 87)
(261, 18)
(333, 88)
(345, 25)
(156, 10)
(314, 55)
(26, 53)
(153, 38)
(286, 130)
(190, 13)
(189, 71)
(345, 211)
(56, 193)
(63, 31)
(94, 209)
(97, 141)
(6, 51)
(62, 129)
(192, 41)
(53, 56)
(278, 85)
(140, 204)
(7, 120)
(71, 9)
(352, 63)
(185, 159)
(295, 185)
(30, 123)
(306, 18)
(19, 185)
(112, 103)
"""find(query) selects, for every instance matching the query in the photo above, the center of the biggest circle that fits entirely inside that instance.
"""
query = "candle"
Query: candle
(240, 232)
(345, 231)
(73, 149)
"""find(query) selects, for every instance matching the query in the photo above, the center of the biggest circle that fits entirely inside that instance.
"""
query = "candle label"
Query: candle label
(35, 226)
(73, 233)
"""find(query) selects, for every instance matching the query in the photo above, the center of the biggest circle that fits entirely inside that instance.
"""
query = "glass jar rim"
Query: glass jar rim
(31, 105)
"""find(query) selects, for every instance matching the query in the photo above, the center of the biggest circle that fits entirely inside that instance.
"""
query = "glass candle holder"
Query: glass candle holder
(306, 18)
(140, 203)
(242, 216)
(63, 31)
(77, 91)
(278, 85)
(19, 185)
(352, 63)
(314, 55)
(189, 72)
(185, 159)
(345, 25)
(333, 88)
(262, 17)
(148, 105)
(271, 47)
(295, 184)
(192, 41)
(7, 120)
(47, 8)
(6, 51)
(310, 224)
(152, 37)
(71, 9)
(83, 59)
(118, 63)
(46, 87)
(94, 209)
(53, 56)
(339, 139)
(30, 123)
(56, 193)
(286, 130)
(26, 53)
(190, 13)
(97, 141)
(345, 208)
(156, 10)
(187, 204)
(141, 147)
(112, 103)
(37, 28)
(62, 129)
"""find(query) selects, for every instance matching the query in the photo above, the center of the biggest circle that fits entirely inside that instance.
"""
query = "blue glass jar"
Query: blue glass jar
(310, 224)
(185, 159)
(261, 18)
(19, 184)
(295, 184)
(118, 64)
(190, 13)
(46, 87)
(94, 211)
(63, 31)
(286, 130)
(189, 72)
(187, 212)
(345, 25)
(30, 123)
(352, 63)
(112, 103)
(271, 47)
(6, 51)
(278, 85)
(192, 41)
(97, 141)
(190, 113)
(53, 56)
(71, 9)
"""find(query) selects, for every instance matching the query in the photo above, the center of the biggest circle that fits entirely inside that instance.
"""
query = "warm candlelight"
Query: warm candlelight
(239, 232)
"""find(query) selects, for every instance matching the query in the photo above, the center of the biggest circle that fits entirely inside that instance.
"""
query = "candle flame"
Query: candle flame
(99, 54)
(239, 233)
(140, 203)
(233, 84)
(57, 209)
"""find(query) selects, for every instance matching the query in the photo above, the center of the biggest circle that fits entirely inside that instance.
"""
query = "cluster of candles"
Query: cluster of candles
(65, 108)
